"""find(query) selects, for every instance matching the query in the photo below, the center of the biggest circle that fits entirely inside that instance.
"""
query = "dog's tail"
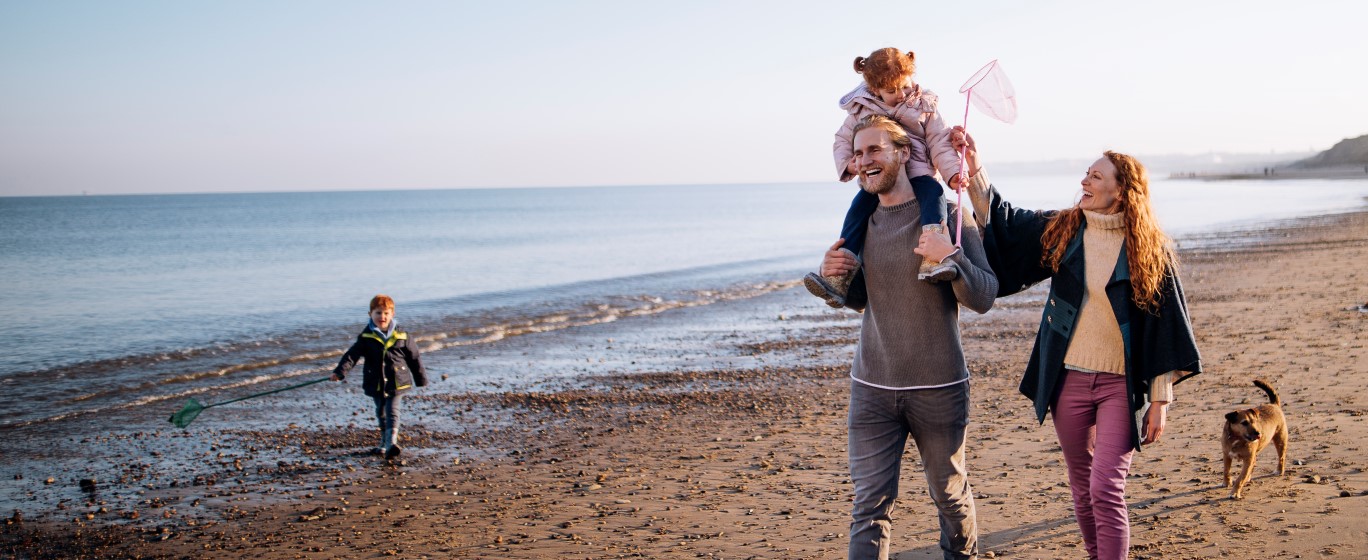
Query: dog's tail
(1272, 395)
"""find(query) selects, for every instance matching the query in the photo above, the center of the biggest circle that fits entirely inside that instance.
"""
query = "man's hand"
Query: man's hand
(934, 246)
(336, 377)
(837, 262)
(1154, 422)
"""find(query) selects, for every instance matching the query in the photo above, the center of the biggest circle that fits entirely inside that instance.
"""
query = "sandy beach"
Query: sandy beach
(719, 432)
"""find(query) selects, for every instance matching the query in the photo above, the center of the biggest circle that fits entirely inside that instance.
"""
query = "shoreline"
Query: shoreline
(1275, 174)
(720, 430)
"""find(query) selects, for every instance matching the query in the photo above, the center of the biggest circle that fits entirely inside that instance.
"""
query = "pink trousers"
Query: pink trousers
(1093, 422)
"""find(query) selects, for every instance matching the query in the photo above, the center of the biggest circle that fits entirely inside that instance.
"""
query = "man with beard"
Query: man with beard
(909, 377)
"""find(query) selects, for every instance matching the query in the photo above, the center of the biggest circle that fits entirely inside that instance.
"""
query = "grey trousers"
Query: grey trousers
(387, 412)
(880, 422)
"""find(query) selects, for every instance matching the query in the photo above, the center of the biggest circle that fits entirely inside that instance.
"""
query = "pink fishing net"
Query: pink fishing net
(991, 91)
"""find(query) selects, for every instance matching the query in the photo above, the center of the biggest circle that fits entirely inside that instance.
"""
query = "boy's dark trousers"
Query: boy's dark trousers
(387, 413)
(930, 197)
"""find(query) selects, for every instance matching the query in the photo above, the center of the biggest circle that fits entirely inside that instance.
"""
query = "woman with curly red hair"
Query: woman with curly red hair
(1114, 336)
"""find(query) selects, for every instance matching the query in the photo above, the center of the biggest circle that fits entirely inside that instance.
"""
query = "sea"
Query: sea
(129, 301)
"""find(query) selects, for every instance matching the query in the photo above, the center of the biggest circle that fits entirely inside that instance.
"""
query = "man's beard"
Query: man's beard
(881, 183)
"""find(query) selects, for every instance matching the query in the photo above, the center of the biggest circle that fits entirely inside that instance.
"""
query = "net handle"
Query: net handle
(304, 384)
(964, 167)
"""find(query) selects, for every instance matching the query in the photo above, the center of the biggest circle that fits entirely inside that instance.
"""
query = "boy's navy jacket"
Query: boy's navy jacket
(1155, 344)
(392, 365)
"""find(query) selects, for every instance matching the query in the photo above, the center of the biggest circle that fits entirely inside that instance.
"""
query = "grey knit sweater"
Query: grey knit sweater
(910, 337)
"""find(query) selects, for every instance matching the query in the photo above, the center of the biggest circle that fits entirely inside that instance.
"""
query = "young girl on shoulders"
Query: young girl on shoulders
(888, 90)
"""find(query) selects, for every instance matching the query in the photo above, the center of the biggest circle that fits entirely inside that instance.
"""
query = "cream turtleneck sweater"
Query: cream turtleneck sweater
(1097, 345)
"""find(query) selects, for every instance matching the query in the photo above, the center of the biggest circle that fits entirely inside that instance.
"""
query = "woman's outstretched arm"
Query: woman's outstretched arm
(1011, 235)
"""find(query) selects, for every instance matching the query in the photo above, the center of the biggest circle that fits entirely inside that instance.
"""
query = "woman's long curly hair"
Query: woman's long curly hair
(1149, 251)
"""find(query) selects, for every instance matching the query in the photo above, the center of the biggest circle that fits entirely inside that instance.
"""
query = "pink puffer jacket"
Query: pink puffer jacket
(917, 114)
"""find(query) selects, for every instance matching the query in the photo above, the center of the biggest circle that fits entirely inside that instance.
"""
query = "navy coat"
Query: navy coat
(392, 365)
(1155, 344)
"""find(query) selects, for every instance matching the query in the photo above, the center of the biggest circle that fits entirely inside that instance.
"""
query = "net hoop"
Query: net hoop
(978, 76)
(991, 91)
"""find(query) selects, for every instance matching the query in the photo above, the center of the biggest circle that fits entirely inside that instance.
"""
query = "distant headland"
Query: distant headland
(1347, 159)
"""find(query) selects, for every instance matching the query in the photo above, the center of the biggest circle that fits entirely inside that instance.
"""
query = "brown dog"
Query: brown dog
(1249, 431)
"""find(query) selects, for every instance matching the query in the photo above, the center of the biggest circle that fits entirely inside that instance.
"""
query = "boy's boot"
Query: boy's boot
(384, 443)
(393, 450)
(833, 289)
(936, 271)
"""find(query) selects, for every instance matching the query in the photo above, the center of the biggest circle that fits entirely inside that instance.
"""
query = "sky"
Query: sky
(142, 96)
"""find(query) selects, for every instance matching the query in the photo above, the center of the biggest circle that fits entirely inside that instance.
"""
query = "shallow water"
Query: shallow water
(125, 301)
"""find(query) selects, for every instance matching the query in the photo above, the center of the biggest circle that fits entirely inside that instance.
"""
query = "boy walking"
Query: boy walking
(392, 365)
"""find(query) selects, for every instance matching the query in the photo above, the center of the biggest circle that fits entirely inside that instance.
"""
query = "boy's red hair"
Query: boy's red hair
(382, 300)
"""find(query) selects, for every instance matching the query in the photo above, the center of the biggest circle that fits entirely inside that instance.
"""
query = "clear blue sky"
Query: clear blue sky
(136, 96)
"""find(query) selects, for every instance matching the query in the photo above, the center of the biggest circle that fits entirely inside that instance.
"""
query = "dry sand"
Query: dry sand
(748, 460)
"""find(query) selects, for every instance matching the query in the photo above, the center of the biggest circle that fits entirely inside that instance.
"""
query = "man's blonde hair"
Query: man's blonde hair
(896, 133)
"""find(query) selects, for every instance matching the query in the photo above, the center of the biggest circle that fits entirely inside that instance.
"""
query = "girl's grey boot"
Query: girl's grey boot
(833, 289)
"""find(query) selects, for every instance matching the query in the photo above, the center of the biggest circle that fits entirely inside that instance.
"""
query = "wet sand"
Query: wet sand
(719, 432)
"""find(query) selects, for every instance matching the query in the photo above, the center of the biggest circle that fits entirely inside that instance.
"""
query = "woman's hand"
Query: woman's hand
(960, 141)
(934, 246)
(1154, 422)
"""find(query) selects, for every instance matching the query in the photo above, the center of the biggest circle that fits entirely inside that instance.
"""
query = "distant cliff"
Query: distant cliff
(1350, 151)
